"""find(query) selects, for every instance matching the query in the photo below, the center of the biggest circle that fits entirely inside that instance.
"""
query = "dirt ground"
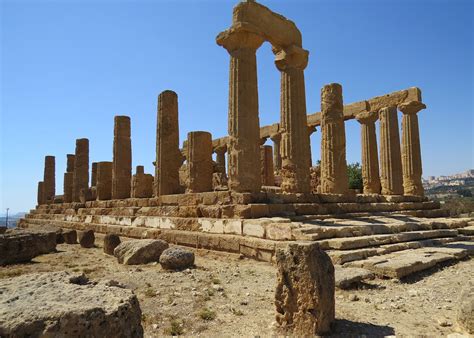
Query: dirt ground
(228, 296)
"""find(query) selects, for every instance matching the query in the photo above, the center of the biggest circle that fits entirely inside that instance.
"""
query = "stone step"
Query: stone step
(349, 243)
(347, 277)
(346, 256)
(402, 264)
(371, 225)
(469, 230)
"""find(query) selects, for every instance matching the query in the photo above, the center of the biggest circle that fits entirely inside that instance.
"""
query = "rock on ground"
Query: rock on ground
(111, 241)
(86, 238)
(176, 259)
(140, 251)
(304, 295)
(70, 236)
(59, 304)
(465, 315)
(20, 245)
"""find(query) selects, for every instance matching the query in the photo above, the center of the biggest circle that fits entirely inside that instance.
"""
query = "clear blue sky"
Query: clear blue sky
(67, 67)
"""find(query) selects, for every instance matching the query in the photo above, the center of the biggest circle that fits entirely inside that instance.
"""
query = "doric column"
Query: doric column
(142, 184)
(122, 160)
(411, 151)
(140, 170)
(94, 174)
(199, 157)
(49, 179)
(295, 151)
(220, 158)
(104, 181)
(276, 138)
(334, 177)
(40, 196)
(370, 157)
(244, 130)
(390, 157)
(68, 186)
(70, 163)
(168, 154)
(311, 130)
(266, 159)
(81, 168)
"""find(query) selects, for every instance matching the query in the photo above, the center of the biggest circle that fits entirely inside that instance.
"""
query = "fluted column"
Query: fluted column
(81, 169)
(122, 160)
(266, 159)
(370, 158)
(244, 130)
(104, 180)
(40, 195)
(276, 139)
(94, 174)
(411, 151)
(311, 130)
(295, 151)
(49, 179)
(220, 158)
(390, 157)
(199, 161)
(334, 177)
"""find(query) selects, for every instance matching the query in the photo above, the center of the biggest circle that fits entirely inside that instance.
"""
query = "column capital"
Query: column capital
(240, 36)
(291, 57)
(275, 137)
(311, 129)
(367, 117)
(263, 140)
(411, 107)
(220, 149)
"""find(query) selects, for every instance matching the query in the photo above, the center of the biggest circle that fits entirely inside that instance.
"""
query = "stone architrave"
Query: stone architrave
(199, 158)
(49, 179)
(390, 156)
(168, 155)
(276, 139)
(81, 168)
(67, 186)
(104, 180)
(122, 161)
(370, 157)
(411, 151)
(70, 163)
(295, 148)
(244, 131)
(142, 184)
(334, 177)
(266, 158)
(94, 174)
(40, 196)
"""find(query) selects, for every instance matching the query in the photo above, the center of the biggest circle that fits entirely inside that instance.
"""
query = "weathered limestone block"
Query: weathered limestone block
(49, 179)
(266, 164)
(465, 315)
(295, 148)
(18, 245)
(200, 167)
(40, 195)
(86, 238)
(390, 156)
(142, 184)
(304, 295)
(176, 258)
(122, 161)
(70, 236)
(244, 130)
(111, 241)
(81, 168)
(67, 186)
(94, 174)
(334, 177)
(60, 304)
(168, 155)
(140, 251)
(70, 163)
(104, 181)
(411, 151)
(370, 157)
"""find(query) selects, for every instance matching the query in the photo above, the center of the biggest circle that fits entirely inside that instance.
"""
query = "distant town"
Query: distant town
(461, 184)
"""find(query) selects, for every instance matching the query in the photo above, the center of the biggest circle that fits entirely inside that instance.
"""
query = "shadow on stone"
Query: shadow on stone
(348, 328)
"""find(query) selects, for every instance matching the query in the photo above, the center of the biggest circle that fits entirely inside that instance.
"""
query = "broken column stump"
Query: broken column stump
(304, 295)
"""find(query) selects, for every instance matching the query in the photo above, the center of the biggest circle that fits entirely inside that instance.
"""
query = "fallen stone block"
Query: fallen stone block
(140, 251)
(86, 238)
(111, 241)
(22, 245)
(304, 295)
(70, 236)
(176, 259)
(59, 304)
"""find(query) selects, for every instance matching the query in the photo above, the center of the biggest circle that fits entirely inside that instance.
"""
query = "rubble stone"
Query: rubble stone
(176, 259)
(111, 241)
(140, 251)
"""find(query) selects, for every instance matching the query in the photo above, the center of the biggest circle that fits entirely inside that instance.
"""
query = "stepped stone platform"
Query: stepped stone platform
(390, 236)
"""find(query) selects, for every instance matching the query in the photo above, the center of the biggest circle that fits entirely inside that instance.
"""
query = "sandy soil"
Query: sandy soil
(228, 296)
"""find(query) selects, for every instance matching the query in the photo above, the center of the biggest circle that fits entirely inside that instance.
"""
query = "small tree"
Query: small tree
(354, 171)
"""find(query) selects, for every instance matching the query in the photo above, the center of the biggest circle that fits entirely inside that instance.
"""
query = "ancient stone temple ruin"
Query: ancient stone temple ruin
(252, 198)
